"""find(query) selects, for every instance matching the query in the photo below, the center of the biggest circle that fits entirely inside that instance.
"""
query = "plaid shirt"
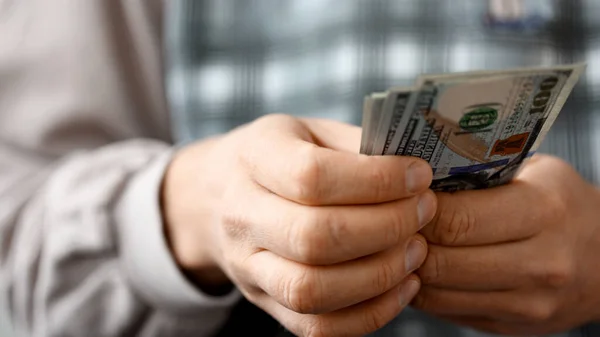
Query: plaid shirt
(232, 61)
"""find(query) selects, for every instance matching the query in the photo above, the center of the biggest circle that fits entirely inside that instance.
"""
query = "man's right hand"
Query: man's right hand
(320, 237)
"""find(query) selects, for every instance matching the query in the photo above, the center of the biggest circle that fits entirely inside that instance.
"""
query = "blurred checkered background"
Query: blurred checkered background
(234, 60)
(231, 61)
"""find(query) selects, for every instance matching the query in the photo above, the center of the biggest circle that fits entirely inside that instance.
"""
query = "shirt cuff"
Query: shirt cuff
(147, 258)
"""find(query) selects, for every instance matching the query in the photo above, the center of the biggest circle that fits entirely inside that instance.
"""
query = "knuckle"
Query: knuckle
(558, 274)
(398, 229)
(306, 176)
(384, 279)
(338, 229)
(381, 180)
(432, 270)
(374, 319)
(453, 224)
(301, 293)
(308, 239)
(235, 225)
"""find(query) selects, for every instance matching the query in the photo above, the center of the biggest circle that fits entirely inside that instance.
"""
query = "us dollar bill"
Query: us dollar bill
(475, 129)
(395, 103)
(372, 111)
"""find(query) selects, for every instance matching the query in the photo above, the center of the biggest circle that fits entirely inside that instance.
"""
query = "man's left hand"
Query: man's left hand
(523, 258)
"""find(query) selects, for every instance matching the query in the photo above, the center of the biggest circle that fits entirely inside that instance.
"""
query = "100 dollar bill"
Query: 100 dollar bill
(393, 107)
(372, 110)
(475, 129)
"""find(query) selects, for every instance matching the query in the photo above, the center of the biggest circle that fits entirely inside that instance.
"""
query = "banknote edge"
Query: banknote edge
(560, 102)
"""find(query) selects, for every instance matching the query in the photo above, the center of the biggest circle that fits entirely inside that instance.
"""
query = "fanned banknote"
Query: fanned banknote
(371, 117)
(393, 105)
(475, 129)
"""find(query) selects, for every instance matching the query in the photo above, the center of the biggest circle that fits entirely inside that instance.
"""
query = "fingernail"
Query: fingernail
(418, 176)
(408, 291)
(426, 208)
(415, 255)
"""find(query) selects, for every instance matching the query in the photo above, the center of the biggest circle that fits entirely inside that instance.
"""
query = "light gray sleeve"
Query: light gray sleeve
(84, 142)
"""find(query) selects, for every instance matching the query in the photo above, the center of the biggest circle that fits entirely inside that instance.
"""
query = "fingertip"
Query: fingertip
(419, 237)
(416, 253)
(418, 176)
(409, 289)
(426, 208)
(415, 278)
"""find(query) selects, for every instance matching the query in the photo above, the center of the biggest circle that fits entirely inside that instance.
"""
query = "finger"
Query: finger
(497, 267)
(320, 289)
(507, 306)
(549, 173)
(332, 234)
(358, 320)
(502, 214)
(334, 135)
(288, 163)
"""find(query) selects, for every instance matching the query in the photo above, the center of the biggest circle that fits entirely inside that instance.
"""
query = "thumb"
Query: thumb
(334, 135)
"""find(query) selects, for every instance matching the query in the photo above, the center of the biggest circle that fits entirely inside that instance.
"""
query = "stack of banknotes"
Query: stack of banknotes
(475, 129)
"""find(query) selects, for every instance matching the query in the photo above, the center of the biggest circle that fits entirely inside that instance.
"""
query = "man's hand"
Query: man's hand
(518, 259)
(322, 238)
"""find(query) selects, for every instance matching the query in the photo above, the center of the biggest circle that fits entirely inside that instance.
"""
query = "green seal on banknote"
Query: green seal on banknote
(478, 118)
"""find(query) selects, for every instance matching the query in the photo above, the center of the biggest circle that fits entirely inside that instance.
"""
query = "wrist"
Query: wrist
(186, 215)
